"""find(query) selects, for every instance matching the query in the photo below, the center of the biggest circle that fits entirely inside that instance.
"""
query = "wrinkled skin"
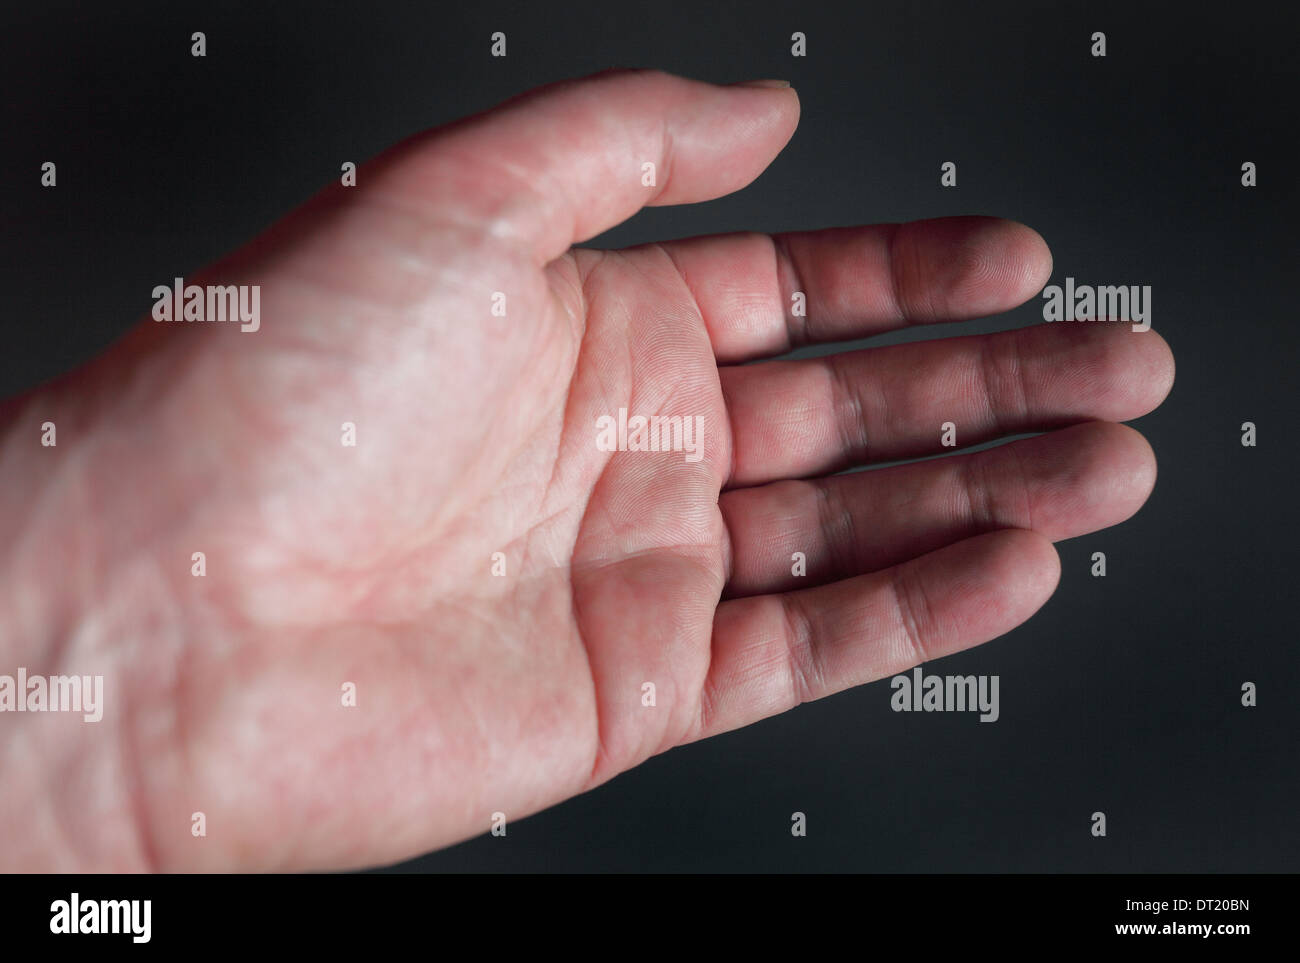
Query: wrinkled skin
(373, 564)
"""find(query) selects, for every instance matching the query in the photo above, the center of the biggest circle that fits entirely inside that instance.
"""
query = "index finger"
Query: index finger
(761, 295)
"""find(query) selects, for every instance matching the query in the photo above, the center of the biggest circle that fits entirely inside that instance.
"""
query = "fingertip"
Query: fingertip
(1143, 366)
(778, 98)
(1028, 561)
(953, 268)
(1110, 471)
(1133, 464)
(722, 137)
(1160, 365)
(1012, 570)
(1036, 255)
(1019, 262)
(983, 587)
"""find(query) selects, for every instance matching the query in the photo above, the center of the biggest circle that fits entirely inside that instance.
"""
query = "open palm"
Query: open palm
(521, 613)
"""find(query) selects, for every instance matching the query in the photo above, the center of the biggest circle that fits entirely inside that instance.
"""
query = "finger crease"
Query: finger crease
(799, 649)
(895, 274)
(787, 267)
(907, 616)
(837, 525)
(848, 424)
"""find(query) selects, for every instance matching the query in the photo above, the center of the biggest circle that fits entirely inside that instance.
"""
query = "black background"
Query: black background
(1123, 693)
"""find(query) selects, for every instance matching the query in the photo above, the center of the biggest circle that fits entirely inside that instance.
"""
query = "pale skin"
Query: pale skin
(476, 434)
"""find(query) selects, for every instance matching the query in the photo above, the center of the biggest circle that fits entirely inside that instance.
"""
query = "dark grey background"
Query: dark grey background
(1123, 693)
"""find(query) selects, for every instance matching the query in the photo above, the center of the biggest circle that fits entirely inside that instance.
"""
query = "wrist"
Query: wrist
(67, 603)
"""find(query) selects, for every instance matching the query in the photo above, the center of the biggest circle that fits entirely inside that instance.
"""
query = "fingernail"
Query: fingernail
(774, 84)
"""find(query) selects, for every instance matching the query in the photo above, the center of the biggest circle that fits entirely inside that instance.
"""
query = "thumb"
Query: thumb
(563, 163)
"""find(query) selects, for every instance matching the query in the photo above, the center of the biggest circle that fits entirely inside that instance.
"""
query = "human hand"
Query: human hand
(476, 434)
